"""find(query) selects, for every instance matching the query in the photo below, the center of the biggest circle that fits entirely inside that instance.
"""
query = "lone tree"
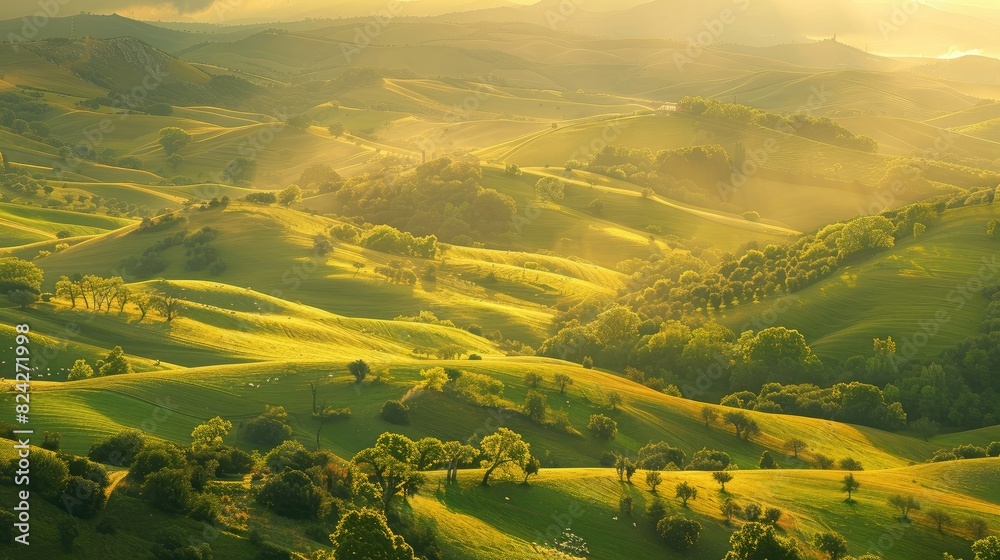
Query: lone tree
(722, 477)
(359, 369)
(530, 466)
(173, 139)
(940, 517)
(977, 526)
(292, 194)
(679, 532)
(549, 188)
(603, 427)
(795, 445)
(653, 479)
(833, 544)
(535, 406)
(850, 485)
(709, 415)
(904, 504)
(744, 426)
(767, 461)
(562, 381)
(729, 509)
(501, 448)
(169, 306)
(925, 428)
(685, 492)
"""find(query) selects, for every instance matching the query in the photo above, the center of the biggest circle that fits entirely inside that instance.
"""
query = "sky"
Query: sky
(220, 11)
(235, 11)
(212, 11)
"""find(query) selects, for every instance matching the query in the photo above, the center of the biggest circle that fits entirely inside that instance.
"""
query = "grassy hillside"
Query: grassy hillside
(895, 293)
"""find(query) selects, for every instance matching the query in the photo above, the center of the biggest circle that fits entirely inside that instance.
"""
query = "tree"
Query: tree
(454, 454)
(359, 369)
(925, 427)
(80, 370)
(549, 188)
(850, 464)
(706, 459)
(119, 448)
(987, 549)
(864, 235)
(390, 464)
(155, 457)
(530, 466)
(587, 363)
(69, 530)
(532, 380)
(210, 433)
(730, 509)
(291, 493)
(722, 477)
(752, 512)
(603, 427)
(500, 449)
(168, 489)
(395, 412)
(653, 479)
(622, 466)
(904, 504)
(918, 229)
(535, 406)
(22, 298)
(292, 194)
(940, 517)
(850, 485)
(48, 474)
(19, 275)
(173, 139)
(758, 541)
(270, 428)
(51, 440)
(241, 169)
(977, 526)
(795, 445)
(168, 306)
(114, 363)
(83, 498)
(679, 532)
(615, 400)
(562, 381)
(833, 544)
(684, 492)
(365, 534)
(772, 515)
(336, 129)
(709, 415)
(767, 461)
(744, 426)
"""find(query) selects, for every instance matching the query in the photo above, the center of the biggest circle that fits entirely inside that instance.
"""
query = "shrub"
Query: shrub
(679, 532)
(291, 494)
(395, 412)
(603, 427)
